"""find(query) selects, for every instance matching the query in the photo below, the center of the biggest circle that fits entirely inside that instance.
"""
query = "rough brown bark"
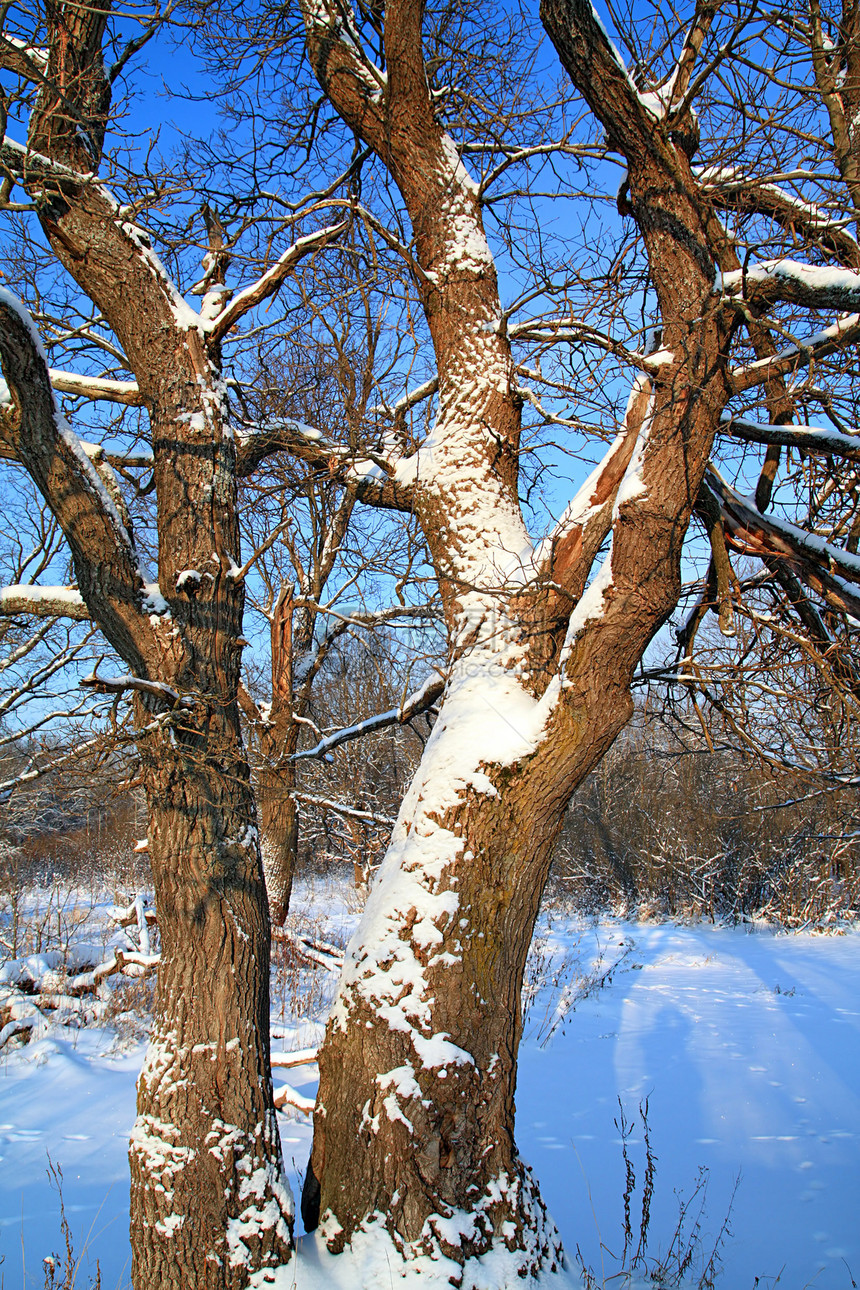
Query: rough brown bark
(295, 636)
(419, 1061)
(420, 1056)
(279, 825)
(208, 1206)
(279, 822)
(208, 1197)
(276, 777)
(428, 1089)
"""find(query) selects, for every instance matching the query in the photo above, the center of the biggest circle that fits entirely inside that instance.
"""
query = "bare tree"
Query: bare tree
(209, 1204)
(332, 573)
(420, 1054)
(679, 820)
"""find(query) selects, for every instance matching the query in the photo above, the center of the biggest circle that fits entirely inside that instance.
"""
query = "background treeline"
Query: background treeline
(676, 821)
(692, 833)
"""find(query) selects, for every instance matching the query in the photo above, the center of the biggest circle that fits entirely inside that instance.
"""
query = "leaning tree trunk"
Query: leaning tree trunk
(419, 1060)
(414, 1130)
(209, 1205)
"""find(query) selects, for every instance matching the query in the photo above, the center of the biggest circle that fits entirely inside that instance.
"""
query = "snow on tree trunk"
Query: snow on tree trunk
(209, 1205)
(419, 1061)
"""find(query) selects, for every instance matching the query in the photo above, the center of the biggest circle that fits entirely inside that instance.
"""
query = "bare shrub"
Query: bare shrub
(692, 1258)
(61, 1270)
(662, 831)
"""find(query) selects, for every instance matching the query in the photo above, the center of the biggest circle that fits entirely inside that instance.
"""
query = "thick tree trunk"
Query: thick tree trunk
(209, 1207)
(419, 1062)
(414, 1129)
(208, 1204)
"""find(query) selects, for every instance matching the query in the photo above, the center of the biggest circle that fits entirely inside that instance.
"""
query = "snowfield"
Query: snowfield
(745, 1043)
(747, 1046)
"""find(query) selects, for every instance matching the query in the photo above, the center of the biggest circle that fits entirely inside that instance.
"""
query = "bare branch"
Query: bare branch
(272, 279)
(421, 701)
(695, 38)
(123, 684)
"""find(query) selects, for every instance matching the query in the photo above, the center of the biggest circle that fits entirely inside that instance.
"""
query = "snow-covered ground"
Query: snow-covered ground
(746, 1044)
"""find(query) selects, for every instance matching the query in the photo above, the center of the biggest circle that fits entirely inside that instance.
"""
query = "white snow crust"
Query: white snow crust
(815, 277)
(746, 1042)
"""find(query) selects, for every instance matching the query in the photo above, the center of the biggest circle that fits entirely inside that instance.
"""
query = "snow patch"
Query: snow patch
(813, 277)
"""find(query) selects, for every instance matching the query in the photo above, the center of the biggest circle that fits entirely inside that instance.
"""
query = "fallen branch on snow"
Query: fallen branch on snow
(120, 961)
(319, 953)
(17, 1027)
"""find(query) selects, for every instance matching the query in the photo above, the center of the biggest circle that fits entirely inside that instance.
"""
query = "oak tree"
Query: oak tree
(209, 1204)
(544, 638)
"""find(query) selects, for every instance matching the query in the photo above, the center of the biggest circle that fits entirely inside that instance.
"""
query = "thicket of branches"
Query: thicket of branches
(437, 267)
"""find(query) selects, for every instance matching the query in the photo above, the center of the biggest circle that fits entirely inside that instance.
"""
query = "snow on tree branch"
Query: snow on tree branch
(832, 572)
(742, 193)
(409, 400)
(791, 281)
(271, 280)
(43, 602)
(810, 439)
(845, 331)
(342, 66)
(421, 701)
(97, 388)
(598, 69)
(35, 770)
(21, 59)
(340, 808)
(105, 559)
(568, 552)
(371, 477)
(123, 684)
